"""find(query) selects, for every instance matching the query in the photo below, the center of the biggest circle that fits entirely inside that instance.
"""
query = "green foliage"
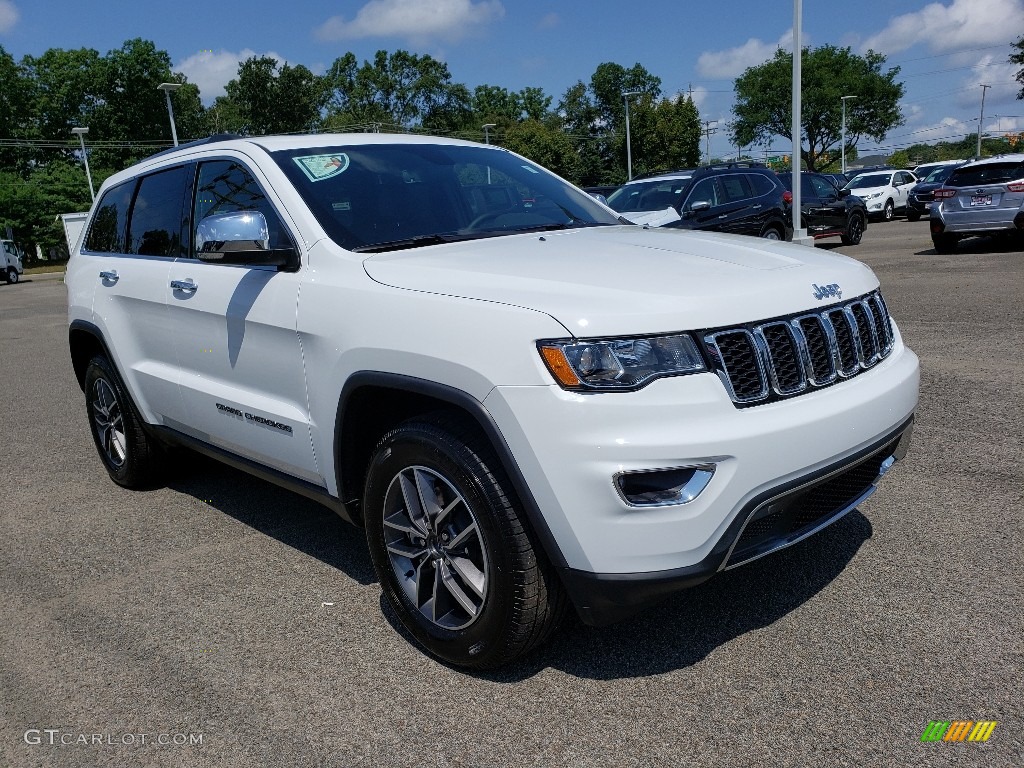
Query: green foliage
(764, 101)
(268, 98)
(1018, 58)
(543, 145)
(917, 154)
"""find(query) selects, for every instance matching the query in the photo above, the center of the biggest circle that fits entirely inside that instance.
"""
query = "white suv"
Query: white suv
(527, 403)
(883, 192)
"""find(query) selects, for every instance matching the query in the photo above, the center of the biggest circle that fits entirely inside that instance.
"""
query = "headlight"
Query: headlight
(873, 195)
(619, 364)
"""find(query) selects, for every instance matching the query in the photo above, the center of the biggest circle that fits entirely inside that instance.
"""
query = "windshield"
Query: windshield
(653, 195)
(870, 180)
(376, 197)
(940, 174)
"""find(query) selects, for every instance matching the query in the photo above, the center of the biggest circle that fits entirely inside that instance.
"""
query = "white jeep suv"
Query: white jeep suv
(526, 403)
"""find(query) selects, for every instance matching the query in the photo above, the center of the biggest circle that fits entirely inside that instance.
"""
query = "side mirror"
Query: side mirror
(599, 197)
(700, 205)
(240, 237)
(843, 193)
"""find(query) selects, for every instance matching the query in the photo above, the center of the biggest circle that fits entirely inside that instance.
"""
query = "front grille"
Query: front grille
(764, 362)
(791, 517)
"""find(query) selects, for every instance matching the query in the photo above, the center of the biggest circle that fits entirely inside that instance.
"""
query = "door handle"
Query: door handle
(757, 207)
(724, 216)
(184, 285)
(109, 275)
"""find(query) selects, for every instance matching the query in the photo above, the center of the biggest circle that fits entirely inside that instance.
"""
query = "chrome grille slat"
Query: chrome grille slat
(786, 357)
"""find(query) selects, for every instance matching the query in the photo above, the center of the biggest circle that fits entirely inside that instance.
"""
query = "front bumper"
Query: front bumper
(617, 557)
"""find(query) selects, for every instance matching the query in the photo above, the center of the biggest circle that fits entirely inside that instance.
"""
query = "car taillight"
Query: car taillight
(943, 193)
(1017, 186)
(787, 196)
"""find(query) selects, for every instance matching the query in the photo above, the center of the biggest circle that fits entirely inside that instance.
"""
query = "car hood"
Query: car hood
(929, 187)
(868, 191)
(624, 279)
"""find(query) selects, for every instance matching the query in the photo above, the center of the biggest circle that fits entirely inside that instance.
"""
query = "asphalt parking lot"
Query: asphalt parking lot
(244, 626)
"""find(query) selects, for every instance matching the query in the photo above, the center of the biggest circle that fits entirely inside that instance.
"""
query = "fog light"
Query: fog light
(663, 487)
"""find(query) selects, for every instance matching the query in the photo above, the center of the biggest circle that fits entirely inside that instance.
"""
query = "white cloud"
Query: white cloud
(8, 15)
(991, 70)
(960, 24)
(946, 129)
(730, 63)
(211, 71)
(416, 20)
(549, 21)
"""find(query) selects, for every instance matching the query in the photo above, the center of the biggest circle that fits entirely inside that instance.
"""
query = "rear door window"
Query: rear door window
(107, 230)
(155, 225)
(989, 173)
(735, 188)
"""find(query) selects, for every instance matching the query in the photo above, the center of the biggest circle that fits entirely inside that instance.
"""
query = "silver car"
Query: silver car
(985, 197)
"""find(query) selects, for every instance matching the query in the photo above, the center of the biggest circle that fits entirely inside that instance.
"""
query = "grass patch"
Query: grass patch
(47, 268)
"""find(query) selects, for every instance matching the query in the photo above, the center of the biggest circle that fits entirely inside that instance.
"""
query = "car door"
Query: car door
(736, 212)
(130, 246)
(242, 376)
(831, 210)
(701, 209)
(903, 181)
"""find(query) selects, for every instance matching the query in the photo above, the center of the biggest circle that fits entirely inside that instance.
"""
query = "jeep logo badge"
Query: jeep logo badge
(821, 291)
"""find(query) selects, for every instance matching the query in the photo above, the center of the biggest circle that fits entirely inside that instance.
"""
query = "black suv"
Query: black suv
(740, 198)
(922, 195)
(826, 210)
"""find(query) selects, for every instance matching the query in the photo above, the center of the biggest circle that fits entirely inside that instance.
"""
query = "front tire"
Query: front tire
(451, 549)
(12, 276)
(889, 211)
(913, 216)
(131, 457)
(854, 231)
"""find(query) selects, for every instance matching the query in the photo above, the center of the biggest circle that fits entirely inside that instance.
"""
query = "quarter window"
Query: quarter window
(107, 231)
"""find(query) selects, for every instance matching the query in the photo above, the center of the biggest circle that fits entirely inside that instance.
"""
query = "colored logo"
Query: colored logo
(959, 730)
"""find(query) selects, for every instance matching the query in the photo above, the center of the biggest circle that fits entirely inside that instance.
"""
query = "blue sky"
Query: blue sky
(946, 48)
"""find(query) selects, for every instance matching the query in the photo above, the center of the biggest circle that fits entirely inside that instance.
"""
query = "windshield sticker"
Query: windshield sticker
(320, 167)
(529, 168)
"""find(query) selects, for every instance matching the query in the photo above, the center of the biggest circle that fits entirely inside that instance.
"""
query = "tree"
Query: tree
(595, 116)
(543, 145)
(15, 109)
(1018, 58)
(764, 101)
(268, 97)
(398, 90)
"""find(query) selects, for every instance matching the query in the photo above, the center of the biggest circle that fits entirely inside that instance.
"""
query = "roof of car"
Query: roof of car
(1013, 157)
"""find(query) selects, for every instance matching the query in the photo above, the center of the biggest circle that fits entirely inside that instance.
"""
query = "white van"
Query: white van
(12, 261)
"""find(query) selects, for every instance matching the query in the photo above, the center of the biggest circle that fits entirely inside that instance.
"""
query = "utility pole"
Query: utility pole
(708, 130)
(981, 117)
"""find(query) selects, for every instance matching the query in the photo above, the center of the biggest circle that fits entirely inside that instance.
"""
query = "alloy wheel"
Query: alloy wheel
(109, 423)
(435, 547)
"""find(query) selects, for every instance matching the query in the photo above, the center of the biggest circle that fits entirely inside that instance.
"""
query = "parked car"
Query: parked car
(12, 261)
(826, 210)
(984, 197)
(922, 194)
(884, 192)
(527, 405)
(739, 198)
(839, 179)
(601, 191)
(925, 169)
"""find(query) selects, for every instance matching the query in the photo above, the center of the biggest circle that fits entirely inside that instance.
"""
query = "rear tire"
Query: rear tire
(854, 230)
(913, 216)
(451, 548)
(945, 243)
(772, 232)
(131, 457)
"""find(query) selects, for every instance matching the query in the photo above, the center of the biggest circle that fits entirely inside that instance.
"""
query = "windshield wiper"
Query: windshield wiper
(410, 242)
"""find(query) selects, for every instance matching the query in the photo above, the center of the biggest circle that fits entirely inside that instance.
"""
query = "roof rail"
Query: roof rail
(198, 143)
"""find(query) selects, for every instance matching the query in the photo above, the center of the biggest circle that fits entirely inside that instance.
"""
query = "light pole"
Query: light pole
(981, 118)
(80, 132)
(799, 234)
(844, 98)
(629, 148)
(487, 141)
(168, 88)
